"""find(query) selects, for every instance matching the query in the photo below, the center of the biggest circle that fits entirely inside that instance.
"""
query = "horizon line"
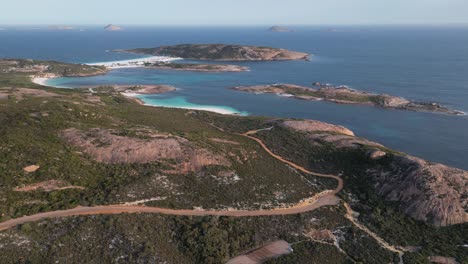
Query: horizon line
(242, 25)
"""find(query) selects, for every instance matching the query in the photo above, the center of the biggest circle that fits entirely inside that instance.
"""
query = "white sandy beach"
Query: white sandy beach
(134, 63)
(209, 108)
(42, 79)
(214, 109)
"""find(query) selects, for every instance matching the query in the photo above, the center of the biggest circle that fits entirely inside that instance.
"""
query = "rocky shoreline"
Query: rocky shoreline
(197, 67)
(144, 89)
(345, 95)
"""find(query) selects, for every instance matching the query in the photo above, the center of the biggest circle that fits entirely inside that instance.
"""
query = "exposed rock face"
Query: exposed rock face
(394, 101)
(433, 193)
(223, 52)
(31, 168)
(280, 29)
(376, 154)
(108, 146)
(442, 260)
(111, 27)
(316, 126)
(430, 192)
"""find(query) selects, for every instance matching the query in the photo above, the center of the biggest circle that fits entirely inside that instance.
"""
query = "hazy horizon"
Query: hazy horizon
(238, 13)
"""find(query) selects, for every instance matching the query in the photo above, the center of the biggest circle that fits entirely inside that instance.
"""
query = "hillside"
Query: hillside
(180, 176)
(223, 52)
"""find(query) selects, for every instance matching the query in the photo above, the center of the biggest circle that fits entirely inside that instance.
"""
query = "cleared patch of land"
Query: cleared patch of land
(264, 253)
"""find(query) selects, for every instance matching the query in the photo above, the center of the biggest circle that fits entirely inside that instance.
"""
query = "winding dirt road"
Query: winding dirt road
(294, 165)
(322, 199)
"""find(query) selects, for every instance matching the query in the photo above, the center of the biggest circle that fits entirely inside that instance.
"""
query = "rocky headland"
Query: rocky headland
(144, 89)
(345, 95)
(426, 191)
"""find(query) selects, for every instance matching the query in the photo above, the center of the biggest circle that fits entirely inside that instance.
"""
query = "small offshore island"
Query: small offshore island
(345, 95)
(280, 29)
(222, 52)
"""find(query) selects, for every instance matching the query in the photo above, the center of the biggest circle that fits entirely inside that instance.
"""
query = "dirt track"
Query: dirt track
(323, 199)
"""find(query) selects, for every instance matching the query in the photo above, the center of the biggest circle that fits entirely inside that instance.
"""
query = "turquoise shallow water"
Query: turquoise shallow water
(181, 102)
(419, 63)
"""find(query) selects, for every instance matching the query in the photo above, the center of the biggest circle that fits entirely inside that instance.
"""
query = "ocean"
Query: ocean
(418, 63)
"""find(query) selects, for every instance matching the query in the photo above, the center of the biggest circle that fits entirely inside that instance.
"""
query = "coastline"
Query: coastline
(133, 63)
(344, 95)
(42, 80)
(215, 109)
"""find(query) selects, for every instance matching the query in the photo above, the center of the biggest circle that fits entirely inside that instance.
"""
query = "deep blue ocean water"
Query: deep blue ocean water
(419, 63)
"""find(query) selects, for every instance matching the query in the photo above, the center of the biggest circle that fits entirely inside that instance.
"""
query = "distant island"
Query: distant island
(345, 95)
(280, 29)
(59, 27)
(111, 27)
(222, 52)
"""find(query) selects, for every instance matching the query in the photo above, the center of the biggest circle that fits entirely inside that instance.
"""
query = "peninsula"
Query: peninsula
(345, 95)
(22, 71)
(222, 52)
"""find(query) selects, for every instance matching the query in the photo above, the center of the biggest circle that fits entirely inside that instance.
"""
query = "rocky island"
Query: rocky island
(222, 52)
(345, 95)
(22, 71)
(280, 29)
(111, 27)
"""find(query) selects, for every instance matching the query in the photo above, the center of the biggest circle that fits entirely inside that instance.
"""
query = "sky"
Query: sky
(234, 12)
